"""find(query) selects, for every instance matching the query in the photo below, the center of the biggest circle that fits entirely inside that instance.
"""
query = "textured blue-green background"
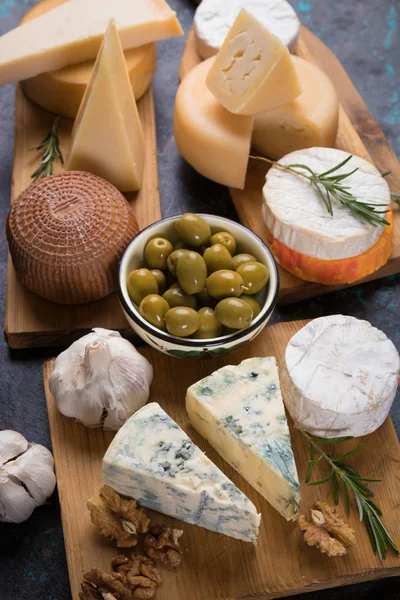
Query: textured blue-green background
(364, 34)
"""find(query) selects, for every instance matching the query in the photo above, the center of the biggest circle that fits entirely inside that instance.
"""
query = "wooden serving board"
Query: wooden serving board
(31, 321)
(358, 134)
(215, 566)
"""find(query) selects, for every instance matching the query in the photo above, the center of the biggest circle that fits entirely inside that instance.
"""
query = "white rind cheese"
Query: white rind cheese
(240, 411)
(296, 216)
(214, 18)
(341, 377)
(152, 460)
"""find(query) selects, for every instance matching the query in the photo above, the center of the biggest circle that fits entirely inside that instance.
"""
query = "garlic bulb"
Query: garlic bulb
(101, 380)
(26, 476)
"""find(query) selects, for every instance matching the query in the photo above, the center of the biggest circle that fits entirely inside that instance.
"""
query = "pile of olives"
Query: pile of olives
(198, 287)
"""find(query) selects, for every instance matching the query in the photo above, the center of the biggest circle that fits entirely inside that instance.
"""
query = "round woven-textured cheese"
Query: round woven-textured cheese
(61, 91)
(66, 235)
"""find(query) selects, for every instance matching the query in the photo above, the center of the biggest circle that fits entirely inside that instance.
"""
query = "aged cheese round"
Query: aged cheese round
(340, 377)
(61, 91)
(309, 120)
(66, 235)
(296, 216)
(215, 142)
(214, 18)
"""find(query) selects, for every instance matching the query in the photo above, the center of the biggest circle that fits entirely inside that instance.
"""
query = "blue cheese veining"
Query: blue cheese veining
(240, 411)
(152, 460)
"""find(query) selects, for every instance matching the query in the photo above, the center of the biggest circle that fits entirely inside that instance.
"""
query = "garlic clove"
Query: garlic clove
(35, 470)
(16, 505)
(12, 444)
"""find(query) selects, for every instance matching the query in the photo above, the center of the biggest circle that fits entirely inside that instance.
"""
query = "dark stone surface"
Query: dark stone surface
(365, 37)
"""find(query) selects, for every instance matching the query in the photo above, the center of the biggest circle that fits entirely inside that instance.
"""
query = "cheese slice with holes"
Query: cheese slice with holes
(214, 18)
(253, 72)
(152, 460)
(107, 138)
(73, 32)
(340, 377)
(239, 410)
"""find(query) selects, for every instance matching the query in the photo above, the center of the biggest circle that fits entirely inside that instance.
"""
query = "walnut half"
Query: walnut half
(162, 545)
(140, 573)
(327, 530)
(98, 585)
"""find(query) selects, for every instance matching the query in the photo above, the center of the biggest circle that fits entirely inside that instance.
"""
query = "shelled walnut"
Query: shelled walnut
(98, 585)
(161, 543)
(327, 530)
(140, 573)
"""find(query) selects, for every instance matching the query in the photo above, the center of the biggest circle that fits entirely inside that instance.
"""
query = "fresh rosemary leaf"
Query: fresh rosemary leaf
(370, 514)
(337, 440)
(52, 152)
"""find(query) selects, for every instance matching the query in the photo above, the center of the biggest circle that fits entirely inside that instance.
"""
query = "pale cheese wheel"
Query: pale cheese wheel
(61, 91)
(214, 18)
(215, 142)
(340, 377)
(296, 216)
(309, 120)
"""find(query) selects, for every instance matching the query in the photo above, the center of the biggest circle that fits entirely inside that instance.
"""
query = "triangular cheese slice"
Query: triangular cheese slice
(152, 460)
(240, 411)
(107, 138)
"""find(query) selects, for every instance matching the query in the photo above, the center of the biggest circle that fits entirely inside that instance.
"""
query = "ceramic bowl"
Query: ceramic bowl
(187, 347)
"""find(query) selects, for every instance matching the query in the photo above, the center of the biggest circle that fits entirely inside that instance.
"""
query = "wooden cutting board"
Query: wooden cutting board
(215, 566)
(31, 321)
(358, 134)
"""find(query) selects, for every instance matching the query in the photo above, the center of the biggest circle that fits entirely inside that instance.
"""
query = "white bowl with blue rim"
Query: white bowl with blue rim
(247, 242)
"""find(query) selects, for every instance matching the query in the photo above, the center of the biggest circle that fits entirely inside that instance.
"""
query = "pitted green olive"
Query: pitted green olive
(254, 305)
(191, 271)
(255, 276)
(173, 258)
(234, 313)
(182, 321)
(193, 230)
(223, 284)
(210, 327)
(175, 296)
(156, 253)
(216, 258)
(226, 239)
(153, 308)
(240, 259)
(161, 280)
(141, 283)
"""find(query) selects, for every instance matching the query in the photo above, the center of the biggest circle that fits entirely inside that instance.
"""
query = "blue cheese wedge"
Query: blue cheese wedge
(152, 460)
(240, 411)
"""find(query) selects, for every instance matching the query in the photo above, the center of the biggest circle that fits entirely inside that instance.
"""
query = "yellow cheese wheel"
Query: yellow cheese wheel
(310, 120)
(61, 91)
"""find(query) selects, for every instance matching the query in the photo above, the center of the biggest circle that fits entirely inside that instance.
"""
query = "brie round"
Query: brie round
(340, 377)
(296, 215)
(214, 18)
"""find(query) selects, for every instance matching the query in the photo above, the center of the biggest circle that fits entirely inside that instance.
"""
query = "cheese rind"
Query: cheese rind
(214, 18)
(341, 377)
(296, 216)
(152, 460)
(309, 120)
(107, 138)
(239, 410)
(215, 142)
(253, 72)
(74, 31)
(61, 91)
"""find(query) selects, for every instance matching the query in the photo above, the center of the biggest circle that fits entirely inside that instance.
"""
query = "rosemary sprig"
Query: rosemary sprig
(352, 482)
(329, 185)
(51, 151)
(395, 196)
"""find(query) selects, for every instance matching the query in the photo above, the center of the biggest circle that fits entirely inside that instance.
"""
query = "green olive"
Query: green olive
(141, 283)
(210, 327)
(191, 271)
(255, 276)
(240, 259)
(226, 239)
(173, 258)
(175, 296)
(193, 230)
(180, 245)
(161, 280)
(153, 308)
(234, 313)
(157, 252)
(182, 321)
(252, 302)
(205, 300)
(223, 284)
(217, 257)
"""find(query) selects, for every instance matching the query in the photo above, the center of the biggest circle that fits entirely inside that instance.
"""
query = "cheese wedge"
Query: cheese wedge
(239, 410)
(61, 91)
(309, 120)
(107, 138)
(153, 461)
(253, 72)
(340, 377)
(73, 33)
(215, 142)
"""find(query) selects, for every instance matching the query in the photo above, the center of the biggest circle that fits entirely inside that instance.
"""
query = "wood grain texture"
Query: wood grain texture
(31, 321)
(215, 566)
(358, 134)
